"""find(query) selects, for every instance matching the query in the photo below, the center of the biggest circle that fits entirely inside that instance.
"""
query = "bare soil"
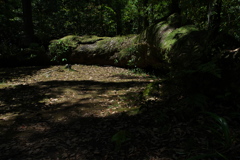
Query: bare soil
(57, 113)
(94, 113)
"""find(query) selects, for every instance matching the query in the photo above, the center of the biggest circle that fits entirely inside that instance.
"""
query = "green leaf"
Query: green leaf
(64, 60)
(211, 68)
(204, 156)
(222, 127)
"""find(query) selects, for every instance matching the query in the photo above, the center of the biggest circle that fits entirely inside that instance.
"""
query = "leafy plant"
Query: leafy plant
(221, 130)
(116, 61)
(132, 61)
(151, 89)
(138, 71)
(211, 68)
(59, 50)
(130, 54)
(211, 155)
(221, 138)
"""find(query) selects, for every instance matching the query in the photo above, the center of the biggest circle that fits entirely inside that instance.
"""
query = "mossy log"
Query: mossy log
(157, 47)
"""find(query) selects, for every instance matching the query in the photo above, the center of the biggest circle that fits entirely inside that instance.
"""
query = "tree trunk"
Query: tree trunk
(214, 16)
(100, 3)
(27, 22)
(118, 5)
(119, 20)
(145, 16)
(143, 22)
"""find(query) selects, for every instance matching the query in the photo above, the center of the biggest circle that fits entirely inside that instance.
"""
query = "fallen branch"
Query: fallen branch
(234, 50)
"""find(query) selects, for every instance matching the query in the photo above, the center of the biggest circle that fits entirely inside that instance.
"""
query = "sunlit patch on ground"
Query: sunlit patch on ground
(38, 103)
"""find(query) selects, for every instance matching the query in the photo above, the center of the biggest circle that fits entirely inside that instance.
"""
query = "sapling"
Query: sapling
(68, 66)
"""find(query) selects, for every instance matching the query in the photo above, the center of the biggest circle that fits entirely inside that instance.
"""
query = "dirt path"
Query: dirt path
(96, 89)
(91, 113)
(55, 113)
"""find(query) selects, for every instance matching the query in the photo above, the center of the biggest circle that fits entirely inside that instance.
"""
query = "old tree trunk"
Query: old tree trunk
(162, 45)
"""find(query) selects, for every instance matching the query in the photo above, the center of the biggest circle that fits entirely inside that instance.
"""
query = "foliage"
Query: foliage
(203, 71)
(58, 18)
(130, 52)
(152, 89)
(220, 131)
(220, 141)
(197, 73)
(60, 50)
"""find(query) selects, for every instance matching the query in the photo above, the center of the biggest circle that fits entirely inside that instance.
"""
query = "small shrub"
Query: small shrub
(201, 73)
(219, 139)
(152, 89)
(59, 50)
(220, 131)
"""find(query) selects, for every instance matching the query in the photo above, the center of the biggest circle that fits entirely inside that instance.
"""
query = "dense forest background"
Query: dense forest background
(33, 23)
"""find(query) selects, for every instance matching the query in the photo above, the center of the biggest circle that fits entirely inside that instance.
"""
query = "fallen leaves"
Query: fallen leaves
(74, 115)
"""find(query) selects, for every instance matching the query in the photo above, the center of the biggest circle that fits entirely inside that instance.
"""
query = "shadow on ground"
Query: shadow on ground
(67, 120)
(11, 74)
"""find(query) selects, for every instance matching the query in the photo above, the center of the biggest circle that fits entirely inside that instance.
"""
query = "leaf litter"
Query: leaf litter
(56, 113)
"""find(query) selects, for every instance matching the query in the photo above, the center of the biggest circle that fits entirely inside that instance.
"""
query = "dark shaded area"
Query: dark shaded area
(205, 67)
(14, 73)
(123, 76)
(25, 97)
(33, 133)
(25, 57)
(35, 128)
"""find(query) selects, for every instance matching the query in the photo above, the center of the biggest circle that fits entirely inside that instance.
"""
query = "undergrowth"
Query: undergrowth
(201, 90)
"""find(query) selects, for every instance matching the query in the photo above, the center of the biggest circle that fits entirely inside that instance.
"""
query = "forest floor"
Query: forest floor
(86, 113)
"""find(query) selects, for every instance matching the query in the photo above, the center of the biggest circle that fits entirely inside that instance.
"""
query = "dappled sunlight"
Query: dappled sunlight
(18, 75)
(64, 95)
(66, 108)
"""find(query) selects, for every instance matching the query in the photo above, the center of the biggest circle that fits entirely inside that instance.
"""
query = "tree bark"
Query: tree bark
(145, 17)
(27, 22)
(119, 20)
(100, 3)
(143, 22)
(214, 16)
(118, 5)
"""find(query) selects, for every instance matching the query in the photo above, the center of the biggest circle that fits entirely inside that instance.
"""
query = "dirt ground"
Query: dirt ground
(94, 113)
(57, 113)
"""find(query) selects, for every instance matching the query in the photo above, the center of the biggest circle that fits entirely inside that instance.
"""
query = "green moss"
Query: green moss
(90, 39)
(151, 89)
(73, 40)
(119, 45)
(173, 35)
(62, 48)
(69, 40)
